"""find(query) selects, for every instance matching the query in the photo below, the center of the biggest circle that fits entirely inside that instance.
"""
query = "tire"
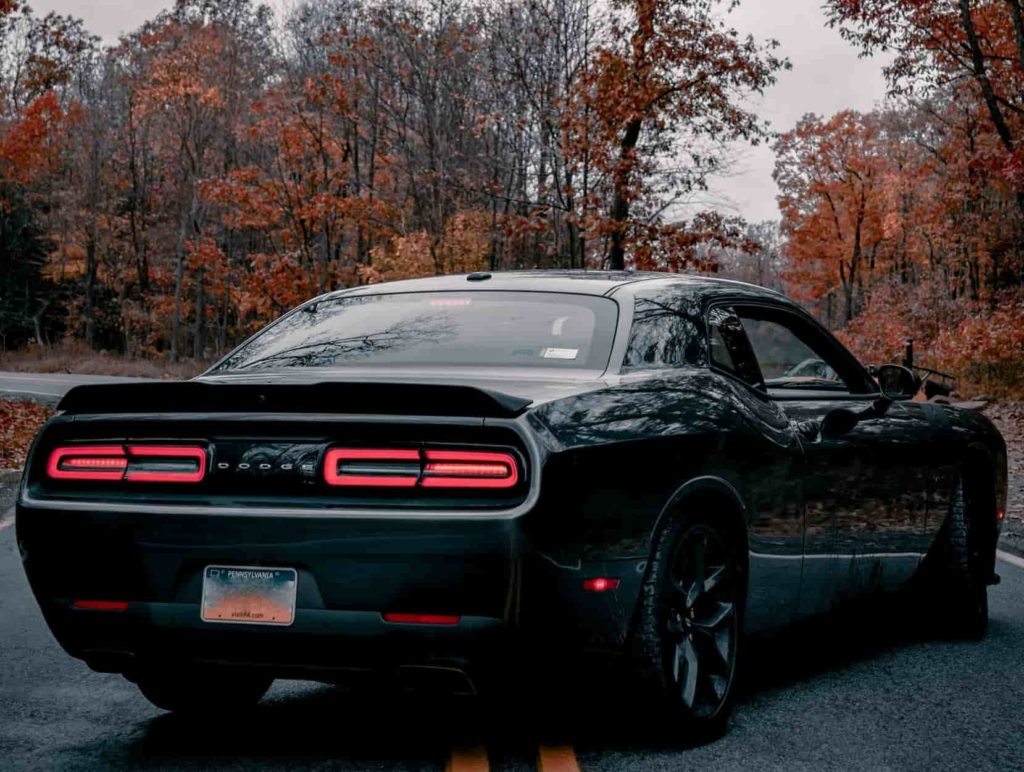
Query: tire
(964, 608)
(688, 632)
(197, 691)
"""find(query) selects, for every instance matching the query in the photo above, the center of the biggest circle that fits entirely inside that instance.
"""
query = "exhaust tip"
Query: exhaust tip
(436, 679)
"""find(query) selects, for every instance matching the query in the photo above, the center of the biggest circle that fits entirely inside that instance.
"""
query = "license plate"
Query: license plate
(249, 595)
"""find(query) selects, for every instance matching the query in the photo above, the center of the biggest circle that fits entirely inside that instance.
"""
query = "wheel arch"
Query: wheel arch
(713, 495)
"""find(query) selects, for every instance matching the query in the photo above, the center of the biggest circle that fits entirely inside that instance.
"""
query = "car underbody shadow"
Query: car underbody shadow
(594, 704)
(302, 720)
(855, 632)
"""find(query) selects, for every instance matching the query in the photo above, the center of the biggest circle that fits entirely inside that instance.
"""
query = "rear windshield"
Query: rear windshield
(455, 329)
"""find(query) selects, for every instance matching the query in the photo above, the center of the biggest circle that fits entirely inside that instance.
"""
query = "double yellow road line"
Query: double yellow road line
(550, 758)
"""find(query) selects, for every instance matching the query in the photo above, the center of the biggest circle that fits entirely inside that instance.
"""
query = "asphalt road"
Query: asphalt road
(858, 690)
(48, 388)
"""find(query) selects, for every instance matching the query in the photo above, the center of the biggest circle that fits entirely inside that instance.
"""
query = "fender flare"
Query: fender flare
(703, 484)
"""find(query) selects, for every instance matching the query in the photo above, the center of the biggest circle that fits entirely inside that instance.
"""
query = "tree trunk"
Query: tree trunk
(981, 75)
(197, 351)
(88, 303)
(179, 272)
(621, 199)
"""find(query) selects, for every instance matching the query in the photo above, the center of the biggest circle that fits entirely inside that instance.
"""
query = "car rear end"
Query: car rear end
(302, 530)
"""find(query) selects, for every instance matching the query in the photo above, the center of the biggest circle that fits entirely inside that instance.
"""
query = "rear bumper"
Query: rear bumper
(321, 644)
(350, 572)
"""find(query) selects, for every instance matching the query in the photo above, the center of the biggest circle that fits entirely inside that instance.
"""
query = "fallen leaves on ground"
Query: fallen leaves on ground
(20, 421)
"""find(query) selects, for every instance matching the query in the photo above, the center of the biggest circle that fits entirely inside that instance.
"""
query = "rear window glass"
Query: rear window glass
(666, 332)
(455, 329)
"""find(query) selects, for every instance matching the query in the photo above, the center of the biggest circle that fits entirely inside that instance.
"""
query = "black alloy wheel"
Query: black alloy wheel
(702, 621)
(687, 638)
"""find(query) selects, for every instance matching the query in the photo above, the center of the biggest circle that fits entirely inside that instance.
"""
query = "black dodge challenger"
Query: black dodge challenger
(427, 477)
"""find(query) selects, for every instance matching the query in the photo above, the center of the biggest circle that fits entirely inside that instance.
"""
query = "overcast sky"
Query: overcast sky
(827, 76)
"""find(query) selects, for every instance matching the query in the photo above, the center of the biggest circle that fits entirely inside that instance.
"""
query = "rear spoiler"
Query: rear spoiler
(330, 397)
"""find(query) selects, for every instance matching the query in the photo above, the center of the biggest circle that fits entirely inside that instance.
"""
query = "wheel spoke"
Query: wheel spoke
(719, 684)
(701, 588)
(680, 587)
(714, 579)
(723, 645)
(692, 673)
(719, 615)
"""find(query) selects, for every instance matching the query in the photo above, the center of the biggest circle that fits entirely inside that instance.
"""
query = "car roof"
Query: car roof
(571, 281)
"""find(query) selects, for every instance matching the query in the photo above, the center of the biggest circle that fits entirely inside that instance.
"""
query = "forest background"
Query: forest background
(164, 196)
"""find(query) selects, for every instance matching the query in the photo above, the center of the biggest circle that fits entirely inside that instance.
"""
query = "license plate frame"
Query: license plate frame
(249, 595)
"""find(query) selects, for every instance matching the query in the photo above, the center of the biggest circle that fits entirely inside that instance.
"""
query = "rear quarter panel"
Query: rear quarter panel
(618, 458)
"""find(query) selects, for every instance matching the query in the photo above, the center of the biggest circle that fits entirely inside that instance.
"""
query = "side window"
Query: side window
(665, 333)
(728, 347)
(787, 354)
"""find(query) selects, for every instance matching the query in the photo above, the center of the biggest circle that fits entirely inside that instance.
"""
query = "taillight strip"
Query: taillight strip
(469, 469)
(334, 474)
(176, 452)
(114, 463)
(88, 462)
(393, 468)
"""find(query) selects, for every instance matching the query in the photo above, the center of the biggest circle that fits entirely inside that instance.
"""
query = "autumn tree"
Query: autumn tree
(943, 41)
(42, 61)
(831, 177)
(668, 81)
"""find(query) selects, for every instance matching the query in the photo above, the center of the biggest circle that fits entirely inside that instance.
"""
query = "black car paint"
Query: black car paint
(608, 456)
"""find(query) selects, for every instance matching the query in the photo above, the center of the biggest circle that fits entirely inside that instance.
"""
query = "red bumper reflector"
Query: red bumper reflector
(397, 468)
(132, 463)
(421, 619)
(101, 605)
(600, 584)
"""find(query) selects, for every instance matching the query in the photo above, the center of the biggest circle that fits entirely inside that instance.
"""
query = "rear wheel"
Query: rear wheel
(201, 690)
(964, 609)
(689, 629)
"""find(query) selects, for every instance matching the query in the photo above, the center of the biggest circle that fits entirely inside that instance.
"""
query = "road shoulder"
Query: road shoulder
(8, 491)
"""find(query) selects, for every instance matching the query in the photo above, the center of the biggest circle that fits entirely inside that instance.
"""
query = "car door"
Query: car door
(867, 488)
(769, 479)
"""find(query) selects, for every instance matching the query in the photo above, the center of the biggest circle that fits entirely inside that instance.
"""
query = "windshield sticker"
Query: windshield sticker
(560, 353)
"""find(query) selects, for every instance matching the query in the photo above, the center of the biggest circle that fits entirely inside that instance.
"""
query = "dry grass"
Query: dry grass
(77, 358)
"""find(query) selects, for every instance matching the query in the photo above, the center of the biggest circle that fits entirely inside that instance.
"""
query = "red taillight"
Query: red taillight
(167, 464)
(600, 584)
(469, 469)
(96, 462)
(397, 468)
(1000, 515)
(381, 468)
(101, 605)
(132, 463)
(421, 619)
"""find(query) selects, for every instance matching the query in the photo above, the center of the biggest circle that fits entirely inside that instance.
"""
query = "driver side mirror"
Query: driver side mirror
(896, 381)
